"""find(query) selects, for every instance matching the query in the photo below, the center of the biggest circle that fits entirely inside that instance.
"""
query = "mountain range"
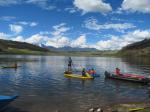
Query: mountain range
(68, 48)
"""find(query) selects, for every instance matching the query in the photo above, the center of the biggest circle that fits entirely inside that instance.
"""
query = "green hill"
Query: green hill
(141, 48)
(14, 47)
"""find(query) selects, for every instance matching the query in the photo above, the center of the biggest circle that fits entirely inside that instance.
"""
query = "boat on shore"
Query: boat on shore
(127, 77)
(5, 100)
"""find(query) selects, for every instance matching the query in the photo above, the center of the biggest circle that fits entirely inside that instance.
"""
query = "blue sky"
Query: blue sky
(100, 24)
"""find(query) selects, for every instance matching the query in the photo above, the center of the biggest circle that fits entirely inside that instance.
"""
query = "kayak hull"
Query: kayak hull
(130, 79)
(78, 76)
(5, 100)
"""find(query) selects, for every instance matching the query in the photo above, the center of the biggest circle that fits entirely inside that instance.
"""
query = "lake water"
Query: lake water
(43, 88)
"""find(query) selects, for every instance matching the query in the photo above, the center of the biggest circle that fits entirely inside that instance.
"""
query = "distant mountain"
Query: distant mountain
(69, 49)
(9, 46)
(141, 48)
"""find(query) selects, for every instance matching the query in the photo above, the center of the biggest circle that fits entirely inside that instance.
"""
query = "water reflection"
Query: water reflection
(42, 85)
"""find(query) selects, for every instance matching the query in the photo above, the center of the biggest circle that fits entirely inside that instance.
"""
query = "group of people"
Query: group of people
(90, 71)
(84, 71)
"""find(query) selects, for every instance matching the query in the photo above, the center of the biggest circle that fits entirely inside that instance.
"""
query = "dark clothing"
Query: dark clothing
(69, 64)
(83, 73)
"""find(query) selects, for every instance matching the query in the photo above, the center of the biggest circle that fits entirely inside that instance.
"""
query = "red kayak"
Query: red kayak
(128, 77)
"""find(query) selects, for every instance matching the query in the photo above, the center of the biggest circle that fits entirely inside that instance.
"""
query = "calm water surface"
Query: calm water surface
(43, 88)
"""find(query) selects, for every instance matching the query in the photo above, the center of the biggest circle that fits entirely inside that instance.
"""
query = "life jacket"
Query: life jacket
(93, 72)
(117, 71)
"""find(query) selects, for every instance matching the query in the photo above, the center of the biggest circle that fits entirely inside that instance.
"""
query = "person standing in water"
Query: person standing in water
(15, 65)
(69, 64)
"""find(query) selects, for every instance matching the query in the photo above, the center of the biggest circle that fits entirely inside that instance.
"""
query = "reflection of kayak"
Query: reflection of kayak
(5, 100)
(10, 66)
(78, 76)
(139, 79)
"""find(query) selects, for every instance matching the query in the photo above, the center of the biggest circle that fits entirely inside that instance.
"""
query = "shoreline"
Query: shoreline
(126, 107)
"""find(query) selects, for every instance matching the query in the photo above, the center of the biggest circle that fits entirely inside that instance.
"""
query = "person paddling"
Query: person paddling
(83, 72)
(117, 71)
(69, 64)
(93, 72)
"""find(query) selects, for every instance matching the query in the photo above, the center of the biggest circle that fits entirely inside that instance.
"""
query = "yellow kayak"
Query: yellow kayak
(78, 76)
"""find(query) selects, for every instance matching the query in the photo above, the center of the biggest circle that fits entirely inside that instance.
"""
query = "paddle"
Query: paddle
(137, 109)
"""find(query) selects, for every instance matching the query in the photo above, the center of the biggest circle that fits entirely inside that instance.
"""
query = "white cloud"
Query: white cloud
(9, 2)
(79, 42)
(117, 42)
(92, 6)
(16, 28)
(22, 23)
(36, 39)
(19, 38)
(136, 5)
(32, 24)
(114, 43)
(58, 42)
(57, 38)
(7, 18)
(3, 35)
(60, 29)
(93, 24)
(44, 4)
(71, 10)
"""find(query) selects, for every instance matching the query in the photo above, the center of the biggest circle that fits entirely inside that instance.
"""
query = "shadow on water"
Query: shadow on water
(12, 109)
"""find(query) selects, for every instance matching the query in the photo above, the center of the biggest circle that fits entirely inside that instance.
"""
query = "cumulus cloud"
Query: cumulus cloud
(92, 6)
(57, 38)
(113, 43)
(58, 42)
(117, 42)
(136, 5)
(16, 28)
(93, 24)
(19, 38)
(37, 39)
(79, 42)
(3, 35)
(60, 29)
